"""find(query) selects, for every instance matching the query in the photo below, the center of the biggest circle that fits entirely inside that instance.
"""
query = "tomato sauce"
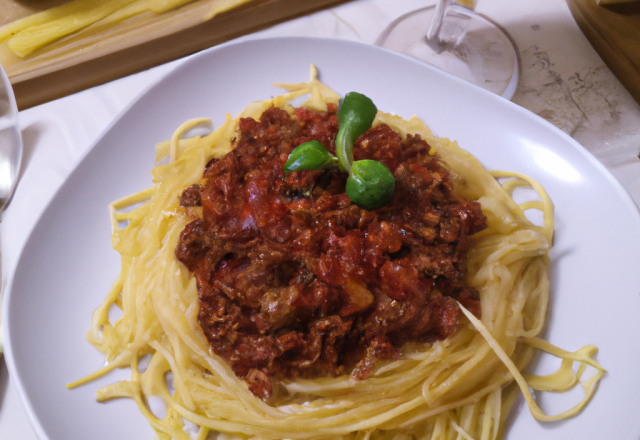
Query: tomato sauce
(296, 281)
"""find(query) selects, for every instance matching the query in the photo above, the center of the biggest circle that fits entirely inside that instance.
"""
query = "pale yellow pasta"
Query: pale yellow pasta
(459, 388)
(31, 33)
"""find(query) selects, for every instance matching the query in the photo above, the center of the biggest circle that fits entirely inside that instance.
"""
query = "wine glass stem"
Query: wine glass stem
(438, 18)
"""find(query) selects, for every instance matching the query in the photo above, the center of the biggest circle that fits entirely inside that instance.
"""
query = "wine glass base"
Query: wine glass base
(484, 56)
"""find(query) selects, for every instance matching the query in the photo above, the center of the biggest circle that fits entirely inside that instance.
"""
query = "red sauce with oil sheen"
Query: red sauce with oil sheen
(296, 281)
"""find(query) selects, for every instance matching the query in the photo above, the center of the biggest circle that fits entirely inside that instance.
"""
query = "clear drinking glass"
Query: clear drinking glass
(10, 157)
(451, 36)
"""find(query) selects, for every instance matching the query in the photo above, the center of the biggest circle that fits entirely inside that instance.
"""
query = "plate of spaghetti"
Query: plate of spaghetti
(453, 267)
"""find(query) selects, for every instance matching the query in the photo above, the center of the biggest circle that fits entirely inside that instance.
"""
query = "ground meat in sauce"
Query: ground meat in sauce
(295, 281)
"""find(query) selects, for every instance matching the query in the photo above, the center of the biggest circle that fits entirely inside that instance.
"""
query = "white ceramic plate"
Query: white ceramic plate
(68, 265)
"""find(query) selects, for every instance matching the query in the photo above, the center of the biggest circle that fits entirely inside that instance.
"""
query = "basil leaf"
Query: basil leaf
(370, 184)
(310, 156)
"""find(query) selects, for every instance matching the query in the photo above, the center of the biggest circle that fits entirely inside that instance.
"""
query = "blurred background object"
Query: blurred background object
(453, 37)
(84, 43)
(614, 32)
(613, 2)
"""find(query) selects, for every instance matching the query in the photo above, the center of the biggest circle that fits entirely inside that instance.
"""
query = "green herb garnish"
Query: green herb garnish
(370, 184)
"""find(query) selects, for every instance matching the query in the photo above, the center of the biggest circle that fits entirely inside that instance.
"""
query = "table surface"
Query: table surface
(562, 79)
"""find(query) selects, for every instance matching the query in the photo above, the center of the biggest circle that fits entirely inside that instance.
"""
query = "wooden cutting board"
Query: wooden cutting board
(97, 64)
(614, 32)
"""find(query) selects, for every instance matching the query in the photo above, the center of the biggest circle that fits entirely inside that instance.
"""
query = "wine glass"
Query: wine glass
(451, 36)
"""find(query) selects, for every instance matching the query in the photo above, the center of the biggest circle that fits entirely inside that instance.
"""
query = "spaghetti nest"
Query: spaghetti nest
(458, 388)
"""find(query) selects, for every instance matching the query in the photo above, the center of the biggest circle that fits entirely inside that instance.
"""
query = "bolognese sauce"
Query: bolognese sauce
(294, 280)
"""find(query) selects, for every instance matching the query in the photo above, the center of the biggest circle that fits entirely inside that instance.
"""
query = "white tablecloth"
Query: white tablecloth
(562, 79)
